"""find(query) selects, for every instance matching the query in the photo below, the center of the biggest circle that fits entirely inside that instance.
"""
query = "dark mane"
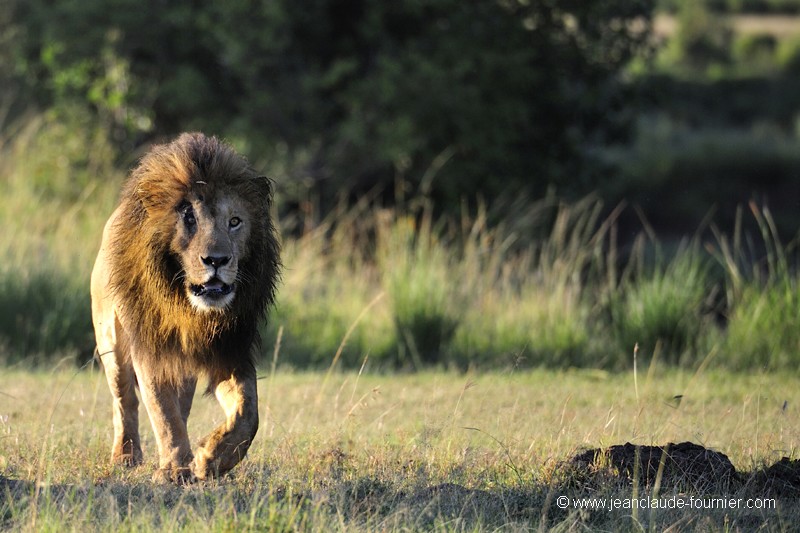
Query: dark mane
(166, 332)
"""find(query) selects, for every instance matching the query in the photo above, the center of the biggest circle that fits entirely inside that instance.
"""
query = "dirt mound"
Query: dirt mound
(687, 465)
(782, 479)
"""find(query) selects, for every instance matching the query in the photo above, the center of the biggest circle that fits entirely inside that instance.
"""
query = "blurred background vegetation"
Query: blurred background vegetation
(494, 184)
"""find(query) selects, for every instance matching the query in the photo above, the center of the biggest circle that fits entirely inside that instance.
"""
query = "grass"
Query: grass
(351, 451)
(407, 290)
(665, 309)
(382, 289)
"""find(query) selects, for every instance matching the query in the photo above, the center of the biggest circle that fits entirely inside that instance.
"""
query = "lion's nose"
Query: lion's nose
(216, 261)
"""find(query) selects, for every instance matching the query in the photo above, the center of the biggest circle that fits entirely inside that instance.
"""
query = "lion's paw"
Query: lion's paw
(126, 455)
(202, 467)
(173, 475)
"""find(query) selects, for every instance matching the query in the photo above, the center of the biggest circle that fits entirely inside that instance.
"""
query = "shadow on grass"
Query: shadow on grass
(676, 472)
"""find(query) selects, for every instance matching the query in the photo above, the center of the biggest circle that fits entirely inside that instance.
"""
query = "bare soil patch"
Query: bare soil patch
(686, 466)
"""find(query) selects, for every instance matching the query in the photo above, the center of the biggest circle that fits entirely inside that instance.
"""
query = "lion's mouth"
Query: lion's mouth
(214, 288)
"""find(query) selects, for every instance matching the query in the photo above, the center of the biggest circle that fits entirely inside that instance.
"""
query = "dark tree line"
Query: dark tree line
(450, 98)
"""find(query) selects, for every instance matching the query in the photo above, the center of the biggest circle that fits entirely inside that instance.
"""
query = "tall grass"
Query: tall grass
(762, 297)
(403, 288)
(327, 285)
(662, 307)
(57, 186)
(422, 277)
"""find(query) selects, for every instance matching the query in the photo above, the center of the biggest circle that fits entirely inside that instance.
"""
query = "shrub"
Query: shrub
(756, 53)
(762, 297)
(664, 308)
(763, 327)
(44, 315)
(788, 56)
(347, 95)
(421, 277)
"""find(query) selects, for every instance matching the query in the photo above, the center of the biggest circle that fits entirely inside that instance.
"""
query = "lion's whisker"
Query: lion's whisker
(178, 277)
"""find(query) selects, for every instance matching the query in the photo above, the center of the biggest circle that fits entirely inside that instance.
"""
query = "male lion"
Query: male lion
(186, 270)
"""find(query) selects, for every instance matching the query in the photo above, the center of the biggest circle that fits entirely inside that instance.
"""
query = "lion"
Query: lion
(186, 271)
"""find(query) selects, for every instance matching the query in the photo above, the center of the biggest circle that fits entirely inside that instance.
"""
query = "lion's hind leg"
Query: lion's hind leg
(126, 448)
(226, 445)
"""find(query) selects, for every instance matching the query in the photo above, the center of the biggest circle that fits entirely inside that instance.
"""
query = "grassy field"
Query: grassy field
(437, 450)
(549, 283)
(398, 289)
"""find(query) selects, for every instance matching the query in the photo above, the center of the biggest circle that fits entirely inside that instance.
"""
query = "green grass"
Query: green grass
(443, 451)
(398, 288)
(665, 310)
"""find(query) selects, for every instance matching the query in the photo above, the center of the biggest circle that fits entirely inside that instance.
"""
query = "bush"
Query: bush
(788, 56)
(723, 168)
(762, 328)
(664, 310)
(756, 53)
(422, 280)
(702, 40)
(44, 315)
(347, 96)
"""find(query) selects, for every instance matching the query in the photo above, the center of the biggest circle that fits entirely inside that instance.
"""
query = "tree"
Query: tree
(452, 98)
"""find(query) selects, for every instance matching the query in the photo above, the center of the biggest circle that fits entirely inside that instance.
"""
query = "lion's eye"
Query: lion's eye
(234, 222)
(188, 215)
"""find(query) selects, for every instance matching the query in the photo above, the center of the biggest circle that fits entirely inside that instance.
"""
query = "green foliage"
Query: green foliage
(43, 315)
(756, 54)
(401, 288)
(786, 7)
(702, 40)
(423, 282)
(348, 96)
(762, 298)
(60, 158)
(323, 309)
(755, 47)
(679, 175)
(664, 310)
(52, 209)
(788, 56)
(536, 307)
(762, 329)
(531, 327)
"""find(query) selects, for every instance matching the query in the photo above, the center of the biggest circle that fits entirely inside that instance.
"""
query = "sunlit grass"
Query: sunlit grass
(350, 449)
(402, 288)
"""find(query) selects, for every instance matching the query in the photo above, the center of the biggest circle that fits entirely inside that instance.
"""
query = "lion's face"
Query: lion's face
(210, 236)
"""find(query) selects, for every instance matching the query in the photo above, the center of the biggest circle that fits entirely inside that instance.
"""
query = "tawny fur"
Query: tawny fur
(154, 330)
(145, 272)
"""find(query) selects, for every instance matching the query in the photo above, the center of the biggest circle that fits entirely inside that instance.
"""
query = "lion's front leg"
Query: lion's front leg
(225, 446)
(165, 409)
